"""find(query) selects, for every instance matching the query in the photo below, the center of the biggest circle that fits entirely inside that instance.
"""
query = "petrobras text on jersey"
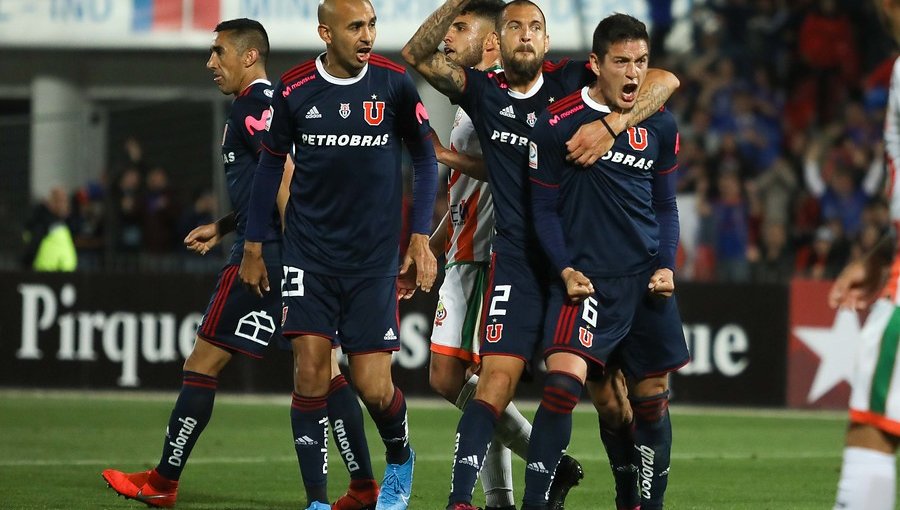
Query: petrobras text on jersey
(124, 337)
(628, 159)
(510, 138)
(345, 140)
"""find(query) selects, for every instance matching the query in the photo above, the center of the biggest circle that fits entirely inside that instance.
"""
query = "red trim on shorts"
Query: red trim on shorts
(455, 352)
(556, 348)
(668, 370)
(215, 311)
(290, 335)
(373, 351)
(878, 421)
(230, 348)
(565, 323)
(486, 301)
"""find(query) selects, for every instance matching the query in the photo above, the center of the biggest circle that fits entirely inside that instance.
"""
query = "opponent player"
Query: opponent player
(503, 107)
(464, 235)
(869, 473)
(610, 232)
(347, 112)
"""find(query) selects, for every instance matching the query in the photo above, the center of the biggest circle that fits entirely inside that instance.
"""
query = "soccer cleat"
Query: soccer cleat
(137, 486)
(397, 485)
(568, 473)
(361, 495)
(510, 507)
(465, 506)
(317, 505)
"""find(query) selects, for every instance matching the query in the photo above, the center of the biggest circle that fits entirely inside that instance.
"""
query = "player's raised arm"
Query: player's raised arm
(593, 140)
(465, 164)
(423, 54)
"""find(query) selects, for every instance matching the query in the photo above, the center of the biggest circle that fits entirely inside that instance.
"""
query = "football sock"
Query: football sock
(868, 480)
(513, 429)
(346, 420)
(473, 438)
(496, 476)
(309, 422)
(620, 450)
(553, 421)
(189, 417)
(653, 443)
(392, 426)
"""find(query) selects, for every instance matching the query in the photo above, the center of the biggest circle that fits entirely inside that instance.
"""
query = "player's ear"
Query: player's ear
(595, 63)
(491, 42)
(547, 43)
(324, 33)
(251, 56)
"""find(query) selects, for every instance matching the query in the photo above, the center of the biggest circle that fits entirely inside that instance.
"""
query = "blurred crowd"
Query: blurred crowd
(780, 112)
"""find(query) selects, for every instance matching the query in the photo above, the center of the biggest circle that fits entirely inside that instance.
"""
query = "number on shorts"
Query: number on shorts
(292, 285)
(501, 297)
(590, 312)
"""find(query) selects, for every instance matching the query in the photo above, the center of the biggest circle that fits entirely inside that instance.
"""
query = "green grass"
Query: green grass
(53, 447)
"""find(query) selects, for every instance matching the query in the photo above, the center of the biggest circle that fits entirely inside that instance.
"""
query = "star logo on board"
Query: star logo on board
(836, 349)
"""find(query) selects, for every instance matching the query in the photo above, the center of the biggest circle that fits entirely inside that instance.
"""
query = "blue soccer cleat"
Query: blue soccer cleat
(397, 485)
(318, 505)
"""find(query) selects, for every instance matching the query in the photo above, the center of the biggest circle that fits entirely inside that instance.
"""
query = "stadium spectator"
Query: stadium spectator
(772, 260)
(237, 60)
(160, 212)
(634, 206)
(48, 240)
(340, 265)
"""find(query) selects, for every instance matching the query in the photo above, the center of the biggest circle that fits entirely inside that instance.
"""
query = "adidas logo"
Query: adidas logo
(471, 460)
(537, 467)
(313, 113)
(305, 441)
(390, 334)
(508, 112)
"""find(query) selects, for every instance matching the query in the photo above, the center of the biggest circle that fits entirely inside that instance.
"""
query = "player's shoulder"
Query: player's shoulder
(382, 62)
(565, 104)
(563, 113)
(259, 90)
(661, 119)
(563, 66)
(299, 72)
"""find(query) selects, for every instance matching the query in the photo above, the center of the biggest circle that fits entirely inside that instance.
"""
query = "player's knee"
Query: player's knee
(311, 377)
(377, 395)
(446, 381)
(496, 389)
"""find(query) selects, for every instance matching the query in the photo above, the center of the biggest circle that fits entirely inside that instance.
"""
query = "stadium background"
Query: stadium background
(780, 112)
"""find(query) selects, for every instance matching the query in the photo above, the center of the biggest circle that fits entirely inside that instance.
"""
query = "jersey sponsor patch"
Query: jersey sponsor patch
(253, 124)
(421, 113)
(532, 155)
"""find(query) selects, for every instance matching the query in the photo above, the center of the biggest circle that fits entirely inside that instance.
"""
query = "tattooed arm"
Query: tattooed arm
(593, 140)
(422, 52)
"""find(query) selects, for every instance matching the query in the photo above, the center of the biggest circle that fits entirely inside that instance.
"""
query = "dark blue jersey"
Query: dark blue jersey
(241, 144)
(615, 216)
(503, 120)
(344, 214)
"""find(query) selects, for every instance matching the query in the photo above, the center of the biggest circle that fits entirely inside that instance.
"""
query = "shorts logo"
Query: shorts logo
(494, 333)
(585, 337)
(256, 326)
(440, 314)
(345, 110)
(373, 112)
(390, 335)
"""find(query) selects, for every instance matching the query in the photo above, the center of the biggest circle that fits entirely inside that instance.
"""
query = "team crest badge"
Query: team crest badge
(585, 337)
(373, 111)
(440, 314)
(494, 333)
(345, 110)
(531, 119)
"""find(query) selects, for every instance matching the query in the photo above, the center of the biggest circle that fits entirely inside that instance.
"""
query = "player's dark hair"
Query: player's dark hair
(248, 34)
(616, 28)
(527, 2)
(486, 9)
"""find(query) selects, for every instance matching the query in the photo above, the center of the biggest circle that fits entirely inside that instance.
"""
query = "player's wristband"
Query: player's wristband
(608, 128)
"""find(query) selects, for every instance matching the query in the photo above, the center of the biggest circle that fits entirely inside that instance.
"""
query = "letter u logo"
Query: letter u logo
(373, 112)
(637, 138)
(494, 332)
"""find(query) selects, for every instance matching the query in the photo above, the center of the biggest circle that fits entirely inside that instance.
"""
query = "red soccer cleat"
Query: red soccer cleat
(138, 486)
(462, 506)
(362, 495)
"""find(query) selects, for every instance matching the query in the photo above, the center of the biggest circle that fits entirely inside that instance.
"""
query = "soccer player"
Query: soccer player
(610, 232)
(869, 473)
(347, 112)
(237, 59)
(464, 235)
(503, 107)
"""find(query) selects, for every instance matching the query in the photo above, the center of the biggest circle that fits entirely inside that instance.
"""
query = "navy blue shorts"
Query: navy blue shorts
(621, 322)
(361, 311)
(514, 306)
(237, 320)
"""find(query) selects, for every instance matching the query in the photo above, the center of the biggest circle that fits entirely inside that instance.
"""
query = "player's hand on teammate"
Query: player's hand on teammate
(856, 286)
(406, 283)
(662, 283)
(420, 262)
(578, 286)
(438, 146)
(202, 239)
(589, 144)
(253, 272)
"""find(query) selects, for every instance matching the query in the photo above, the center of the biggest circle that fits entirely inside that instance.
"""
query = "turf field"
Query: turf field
(53, 447)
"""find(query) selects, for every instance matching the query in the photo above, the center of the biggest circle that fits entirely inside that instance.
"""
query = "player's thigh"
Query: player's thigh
(456, 329)
(368, 319)
(514, 307)
(311, 303)
(237, 320)
(656, 345)
(875, 395)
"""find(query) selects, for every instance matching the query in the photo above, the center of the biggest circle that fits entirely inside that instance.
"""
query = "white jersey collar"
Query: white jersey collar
(532, 91)
(588, 100)
(338, 81)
